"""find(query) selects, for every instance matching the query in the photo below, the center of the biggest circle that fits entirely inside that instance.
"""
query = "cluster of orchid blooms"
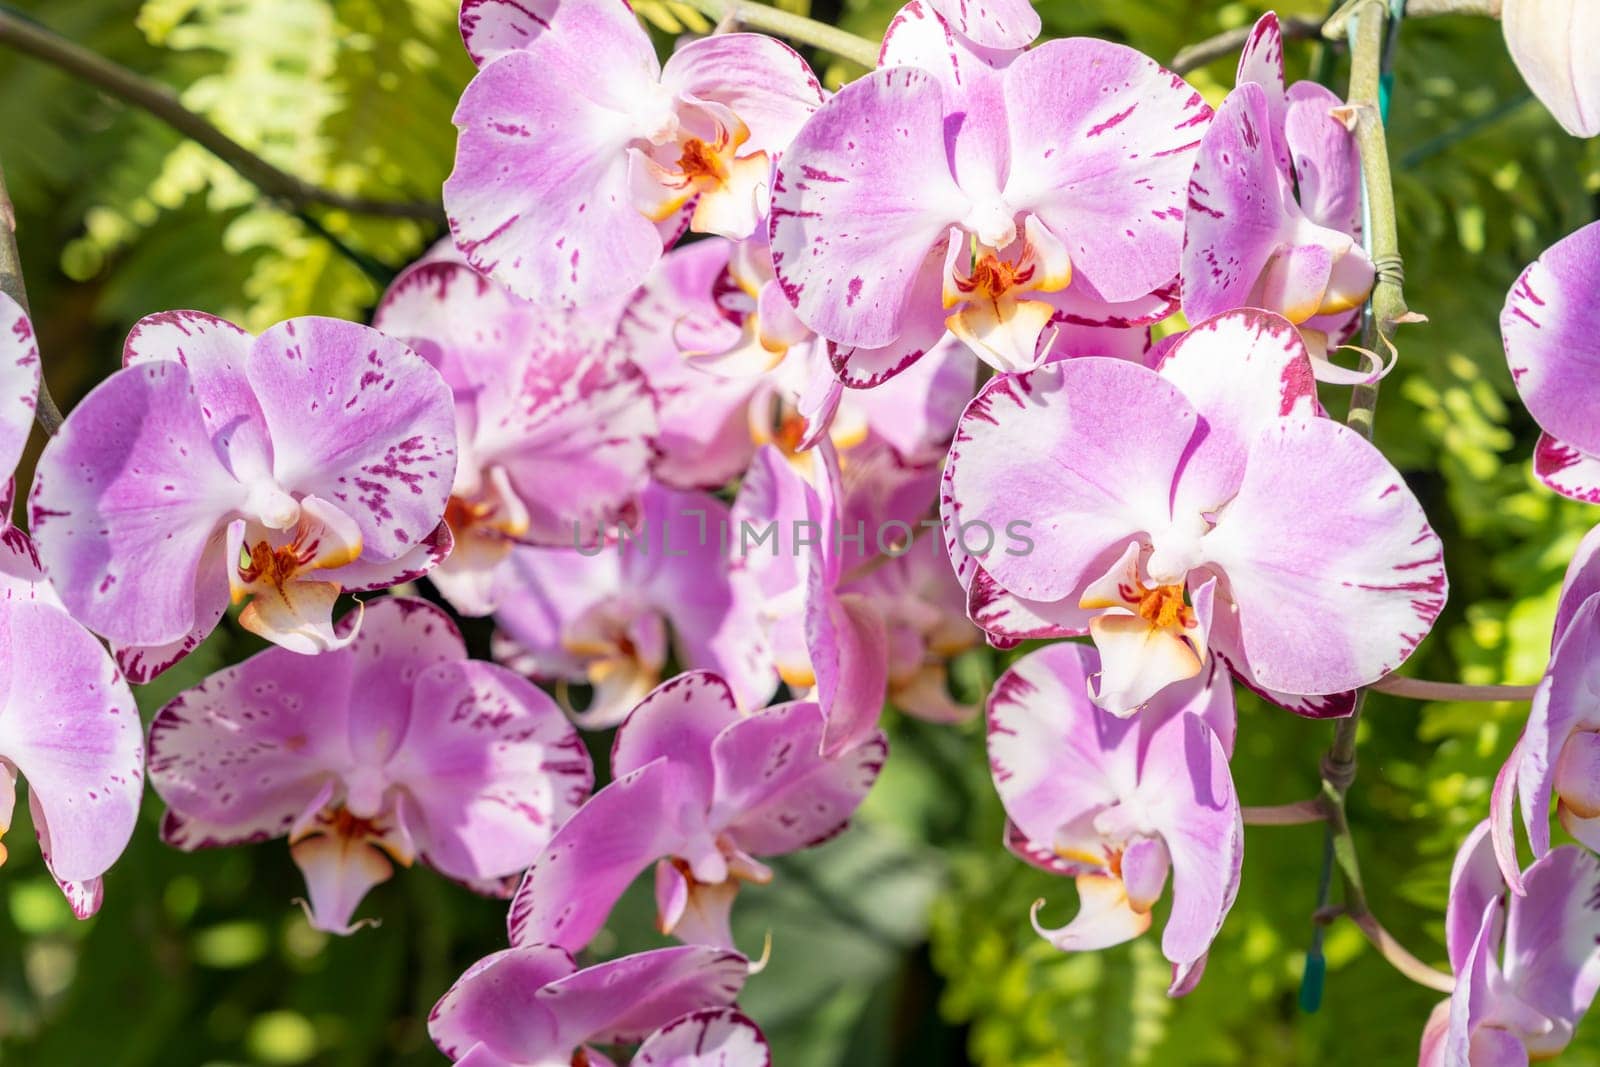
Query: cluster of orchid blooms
(542, 417)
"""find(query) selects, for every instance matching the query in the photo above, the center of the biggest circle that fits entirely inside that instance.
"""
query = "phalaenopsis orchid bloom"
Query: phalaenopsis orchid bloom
(1274, 216)
(725, 385)
(1119, 804)
(68, 723)
(986, 192)
(1525, 964)
(581, 156)
(544, 398)
(1559, 752)
(704, 793)
(1553, 43)
(531, 1006)
(789, 559)
(282, 469)
(1203, 507)
(608, 616)
(1551, 329)
(394, 747)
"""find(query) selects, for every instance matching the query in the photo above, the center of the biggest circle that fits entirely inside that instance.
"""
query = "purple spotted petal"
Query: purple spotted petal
(1552, 43)
(1105, 164)
(1549, 326)
(496, 1006)
(69, 725)
(19, 381)
(1237, 214)
(539, 198)
(1329, 559)
(714, 1037)
(491, 28)
(862, 196)
(1261, 63)
(492, 766)
(128, 502)
(678, 721)
(994, 23)
(658, 987)
(776, 791)
(359, 419)
(1085, 450)
(569, 890)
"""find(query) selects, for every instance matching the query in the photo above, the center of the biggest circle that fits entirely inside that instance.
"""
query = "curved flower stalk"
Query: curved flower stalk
(395, 747)
(68, 723)
(727, 384)
(544, 398)
(602, 616)
(580, 157)
(282, 469)
(1558, 754)
(985, 192)
(1526, 967)
(1554, 44)
(1551, 330)
(1274, 217)
(530, 1006)
(1120, 804)
(1203, 507)
(723, 790)
(789, 560)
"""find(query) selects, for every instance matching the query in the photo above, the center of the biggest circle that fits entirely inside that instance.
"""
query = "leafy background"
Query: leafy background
(906, 940)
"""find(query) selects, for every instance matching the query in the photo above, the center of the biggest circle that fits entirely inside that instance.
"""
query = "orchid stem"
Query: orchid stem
(30, 38)
(1336, 26)
(45, 411)
(1422, 689)
(841, 43)
(1300, 813)
(1400, 958)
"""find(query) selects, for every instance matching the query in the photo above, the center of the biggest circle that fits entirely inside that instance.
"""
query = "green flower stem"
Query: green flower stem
(23, 35)
(45, 411)
(796, 28)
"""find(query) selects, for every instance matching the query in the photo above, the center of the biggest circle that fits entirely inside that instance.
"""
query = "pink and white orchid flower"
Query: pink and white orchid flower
(1556, 47)
(1558, 754)
(704, 793)
(394, 747)
(602, 616)
(1203, 507)
(282, 469)
(1274, 216)
(580, 156)
(789, 561)
(1526, 967)
(726, 384)
(1551, 329)
(531, 1006)
(1120, 804)
(985, 192)
(555, 426)
(68, 723)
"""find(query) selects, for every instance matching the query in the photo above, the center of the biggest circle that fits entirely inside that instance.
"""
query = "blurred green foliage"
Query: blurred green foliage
(907, 940)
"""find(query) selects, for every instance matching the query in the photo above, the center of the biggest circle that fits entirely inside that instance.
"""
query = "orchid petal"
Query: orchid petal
(339, 871)
(777, 791)
(678, 721)
(569, 890)
(1106, 164)
(1549, 326)
(1551, 933)
(1105, 917)
(1327, 164)
(862, 196)
(69, 724)
(1581, 582)
(1563, 704)
(539, 199)
(495, 1006)
(1551, 42)
(1341, 561)
(764, 82)
(717, 1037)
(1085, 450)
(993, 23)
(124, 567)
(19, 381)
(1568, 470)
(491, 28)
(659, 986)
